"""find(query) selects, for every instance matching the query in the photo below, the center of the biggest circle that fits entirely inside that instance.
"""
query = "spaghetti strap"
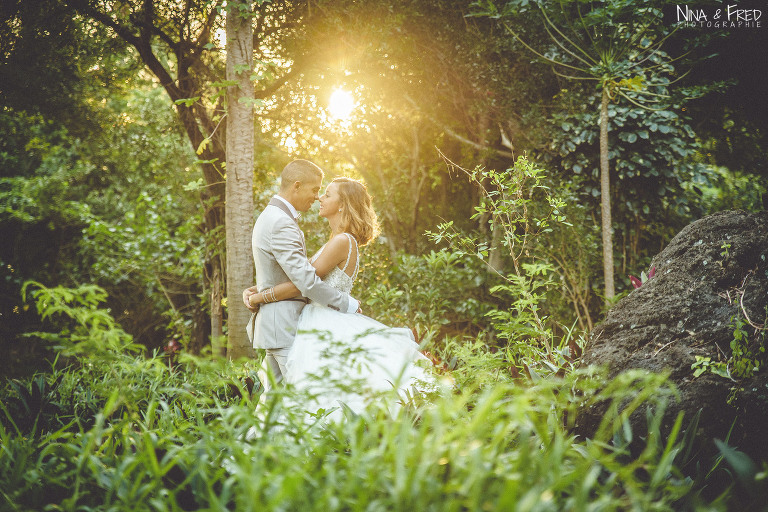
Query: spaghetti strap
(349, 256)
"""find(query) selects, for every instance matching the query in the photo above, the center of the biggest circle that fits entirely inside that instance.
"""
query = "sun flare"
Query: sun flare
(341, 105)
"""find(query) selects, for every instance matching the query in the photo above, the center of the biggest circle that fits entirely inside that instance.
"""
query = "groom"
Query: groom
(280, 255)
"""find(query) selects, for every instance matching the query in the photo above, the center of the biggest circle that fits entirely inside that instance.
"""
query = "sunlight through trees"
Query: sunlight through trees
(341, 105)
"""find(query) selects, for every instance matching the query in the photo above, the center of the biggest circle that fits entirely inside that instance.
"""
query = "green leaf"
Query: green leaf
(194, 185)
(744, 467)
(240, 68)
(255, 102)
(224, 83)
(188, 102)
(633, 84)
(205, 143)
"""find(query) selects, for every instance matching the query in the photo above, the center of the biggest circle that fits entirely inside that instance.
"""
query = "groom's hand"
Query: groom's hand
(246, 294)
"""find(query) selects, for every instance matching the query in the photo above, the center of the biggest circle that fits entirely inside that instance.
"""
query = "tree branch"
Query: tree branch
(457, 136)
(268, 91)
(558, 43)
(551, 61)
(205, 34)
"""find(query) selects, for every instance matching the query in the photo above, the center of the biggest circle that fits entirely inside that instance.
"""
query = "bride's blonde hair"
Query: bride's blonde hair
(357, 215)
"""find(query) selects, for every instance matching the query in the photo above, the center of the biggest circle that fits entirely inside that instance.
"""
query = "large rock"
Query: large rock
(712, 272)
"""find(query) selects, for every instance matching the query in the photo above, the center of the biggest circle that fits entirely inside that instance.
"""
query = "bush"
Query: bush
(165, 439)
(519, 208)
(117, 430)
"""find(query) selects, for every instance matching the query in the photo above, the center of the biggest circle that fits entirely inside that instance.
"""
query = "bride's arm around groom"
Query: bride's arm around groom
(334, 254)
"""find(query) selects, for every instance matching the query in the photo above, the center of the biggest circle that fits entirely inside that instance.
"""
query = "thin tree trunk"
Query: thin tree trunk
(213, 267)
(496, 255)
(217, 317)
(417, 185)
(239, 204)
(605, 198)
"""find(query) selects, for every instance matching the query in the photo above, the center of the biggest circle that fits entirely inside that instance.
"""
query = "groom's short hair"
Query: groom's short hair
(299, 170)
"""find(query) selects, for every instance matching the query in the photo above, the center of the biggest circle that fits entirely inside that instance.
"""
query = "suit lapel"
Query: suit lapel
(276, 202)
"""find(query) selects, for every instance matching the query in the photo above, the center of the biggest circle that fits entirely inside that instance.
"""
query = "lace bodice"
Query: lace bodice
(337, 277)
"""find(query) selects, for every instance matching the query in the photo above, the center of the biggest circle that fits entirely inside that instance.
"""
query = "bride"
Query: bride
(341, 360)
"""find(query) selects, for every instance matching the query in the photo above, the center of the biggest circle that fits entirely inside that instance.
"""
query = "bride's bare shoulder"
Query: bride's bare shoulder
(334, 253)
(339, 244)
(341, 239)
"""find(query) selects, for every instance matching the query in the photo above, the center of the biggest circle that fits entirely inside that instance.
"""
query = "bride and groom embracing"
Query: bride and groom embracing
(314, 334)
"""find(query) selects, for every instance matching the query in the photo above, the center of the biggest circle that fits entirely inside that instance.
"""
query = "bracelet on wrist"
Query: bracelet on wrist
(268, 295)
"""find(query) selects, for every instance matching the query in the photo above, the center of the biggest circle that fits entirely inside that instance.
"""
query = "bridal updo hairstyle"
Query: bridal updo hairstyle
(357, 217)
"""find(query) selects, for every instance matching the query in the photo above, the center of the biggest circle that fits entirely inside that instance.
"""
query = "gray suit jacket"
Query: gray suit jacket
(280, 256)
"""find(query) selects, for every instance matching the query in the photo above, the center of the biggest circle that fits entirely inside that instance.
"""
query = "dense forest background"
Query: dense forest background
(114, 143)
(525, 158)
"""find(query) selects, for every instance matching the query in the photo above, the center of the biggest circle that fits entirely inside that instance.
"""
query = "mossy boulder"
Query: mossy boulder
(710, 287)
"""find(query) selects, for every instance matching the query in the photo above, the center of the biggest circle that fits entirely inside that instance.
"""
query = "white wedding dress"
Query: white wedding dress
(350, 359)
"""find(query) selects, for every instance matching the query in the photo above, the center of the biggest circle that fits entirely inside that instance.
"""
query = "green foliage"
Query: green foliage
(508, 205)
(29, 404)
(748, 352)
(117, 430)
(434, 290)
(474, 367)
(656, 167)
(748, 355)
(107, 209)
(705, 364)
(723, 189)
(652, 162)
(574, 251)
(54, 64)
(153, 245)
(522, 322)
(84, 327)
(749, 476)
(615, 46)
(424, 74)
(117, 417)
(615, 43)
(152, 438)
(44, 173)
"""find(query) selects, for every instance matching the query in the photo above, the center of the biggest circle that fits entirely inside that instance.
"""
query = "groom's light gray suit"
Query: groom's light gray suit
(280, 255)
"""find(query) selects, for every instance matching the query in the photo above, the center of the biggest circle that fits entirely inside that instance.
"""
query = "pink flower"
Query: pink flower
(637, 283)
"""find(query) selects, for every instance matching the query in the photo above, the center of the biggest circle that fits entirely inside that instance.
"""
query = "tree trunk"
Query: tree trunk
(213, 157)
(496, 255)
(605, 198)
(239, 203)
(217, 317)
(418, 181)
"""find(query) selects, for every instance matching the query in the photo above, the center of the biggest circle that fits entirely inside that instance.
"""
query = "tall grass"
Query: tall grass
(131, 433)
(115, 430)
